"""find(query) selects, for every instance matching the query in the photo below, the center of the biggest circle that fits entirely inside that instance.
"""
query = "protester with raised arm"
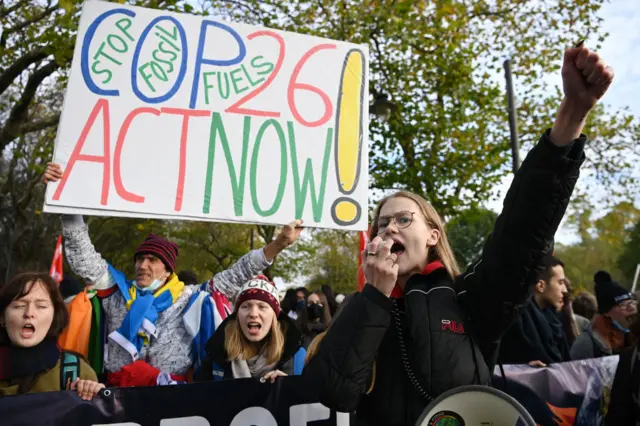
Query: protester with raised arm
(419, 328)
(154, 304)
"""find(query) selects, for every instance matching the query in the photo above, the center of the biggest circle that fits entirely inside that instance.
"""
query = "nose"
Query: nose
(30, 311)
(253, 313)
(391, 228)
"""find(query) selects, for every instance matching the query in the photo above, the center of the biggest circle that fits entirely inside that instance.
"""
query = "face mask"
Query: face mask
(620, 327)
(156, 284)
(314, 311)
(300, 305)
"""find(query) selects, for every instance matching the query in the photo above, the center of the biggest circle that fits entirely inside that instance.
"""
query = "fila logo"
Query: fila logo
(452, 326)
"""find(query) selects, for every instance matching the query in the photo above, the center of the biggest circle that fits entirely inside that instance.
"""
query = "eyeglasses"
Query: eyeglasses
(401, 219)
(628, 306)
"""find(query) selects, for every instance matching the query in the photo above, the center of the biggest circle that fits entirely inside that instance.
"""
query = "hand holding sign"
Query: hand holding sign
(53, 173)
(232, 123)
(288, 235)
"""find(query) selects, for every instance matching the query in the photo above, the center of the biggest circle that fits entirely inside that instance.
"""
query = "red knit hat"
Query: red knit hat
(259, 288)
(161, 248)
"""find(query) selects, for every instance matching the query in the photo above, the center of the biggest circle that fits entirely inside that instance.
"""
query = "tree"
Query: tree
(441, 62)
(328, 257)
(602, 246)
(630, 257)
(468, 232)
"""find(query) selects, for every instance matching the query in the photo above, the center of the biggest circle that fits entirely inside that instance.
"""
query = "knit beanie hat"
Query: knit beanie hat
(161, 248)
(259, 288)
(608, 292)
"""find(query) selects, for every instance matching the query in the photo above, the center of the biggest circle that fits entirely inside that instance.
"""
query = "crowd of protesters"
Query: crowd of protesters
(419, 327)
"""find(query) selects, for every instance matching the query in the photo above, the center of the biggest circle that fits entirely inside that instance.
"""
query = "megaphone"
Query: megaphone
(475, 405)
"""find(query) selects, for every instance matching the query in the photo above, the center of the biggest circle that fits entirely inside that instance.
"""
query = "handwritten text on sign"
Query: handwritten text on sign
(173, 115)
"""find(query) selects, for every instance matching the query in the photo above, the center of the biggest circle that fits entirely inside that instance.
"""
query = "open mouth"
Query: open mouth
(254, 327)
(397, 248)
(28, 331)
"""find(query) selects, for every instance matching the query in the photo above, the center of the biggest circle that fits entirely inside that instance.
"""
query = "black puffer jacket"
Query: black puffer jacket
(217, 359)
(450, 330)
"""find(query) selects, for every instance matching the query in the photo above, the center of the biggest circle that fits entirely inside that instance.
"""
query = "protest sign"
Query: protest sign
(240, 402)
(179, 116)
(572, 393)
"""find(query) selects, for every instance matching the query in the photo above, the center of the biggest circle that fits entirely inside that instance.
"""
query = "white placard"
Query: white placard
(186, 117)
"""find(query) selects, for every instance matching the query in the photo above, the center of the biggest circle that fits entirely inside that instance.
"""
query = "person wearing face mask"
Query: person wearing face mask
(32, 316)
(609, 332)
(317, 317)
(419, 328)
(258, 340)
(154, 333)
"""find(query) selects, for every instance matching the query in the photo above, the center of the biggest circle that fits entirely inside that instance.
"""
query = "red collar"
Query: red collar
(398, 292)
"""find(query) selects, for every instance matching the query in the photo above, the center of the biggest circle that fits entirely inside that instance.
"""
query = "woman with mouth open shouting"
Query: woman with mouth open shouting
(258, 340)
(32, 316)
(419, 328)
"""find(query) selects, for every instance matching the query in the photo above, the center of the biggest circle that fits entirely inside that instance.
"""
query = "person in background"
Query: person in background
(316, 319)
(32, 316)
(624, 402)
(155, 331)
(331, 299)
(567, 317)
(537, 338)
(69, 288)
(584, 308)
(301, 297)
(289, 303)
(258, 340)
(452, 322)
(188, 277)
(609, 333)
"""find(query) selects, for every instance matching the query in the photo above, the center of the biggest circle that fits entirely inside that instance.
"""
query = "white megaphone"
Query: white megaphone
(475, 405)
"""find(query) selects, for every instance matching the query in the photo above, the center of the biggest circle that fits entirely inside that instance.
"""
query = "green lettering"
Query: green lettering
(256, 63)
(158, 71)
(123, 44)
(283, 169)
(226, 84)
(164, 61)
(123, 28)
(237, 183)
(146, 77)
(207, 86)
(102, 71)
(251, 82)
(235, 80)
(300, 191)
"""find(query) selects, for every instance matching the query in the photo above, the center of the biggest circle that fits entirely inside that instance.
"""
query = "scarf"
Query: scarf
(253, 367)
(203, 315)
(143, 307)
(609, 334)
(18, 362)
(96, 337)
(398, 292)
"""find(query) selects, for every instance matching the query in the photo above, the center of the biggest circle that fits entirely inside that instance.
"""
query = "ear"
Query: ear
(433, 238)
(540, 286)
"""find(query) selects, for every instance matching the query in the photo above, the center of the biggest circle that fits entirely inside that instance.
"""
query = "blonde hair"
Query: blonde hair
(239, 348)
(442, 250)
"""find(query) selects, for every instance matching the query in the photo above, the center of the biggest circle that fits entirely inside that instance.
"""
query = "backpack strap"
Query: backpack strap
(69, 369)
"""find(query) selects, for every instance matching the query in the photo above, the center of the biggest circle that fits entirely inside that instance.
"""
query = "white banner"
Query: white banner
(186, 117)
